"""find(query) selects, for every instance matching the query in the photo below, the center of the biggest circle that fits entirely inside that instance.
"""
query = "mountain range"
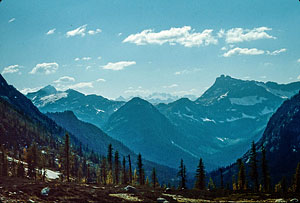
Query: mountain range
(218, 126)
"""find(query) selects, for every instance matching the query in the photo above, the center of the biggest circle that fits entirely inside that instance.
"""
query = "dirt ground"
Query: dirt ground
(23, 190)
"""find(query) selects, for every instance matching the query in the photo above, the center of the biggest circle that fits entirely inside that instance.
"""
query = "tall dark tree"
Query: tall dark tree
(124, 173)
(117, 167)
(130, 169)
(265, 171)
(140, 169)
(241, 184)
(153, 177)
(20, 170)
(4, 162)
(182, 175)
(32, 160)
(103, 170)
(200, 176)
(109, 156)
(67, 156)
(221, 178)
(253, 167)
(297, 179)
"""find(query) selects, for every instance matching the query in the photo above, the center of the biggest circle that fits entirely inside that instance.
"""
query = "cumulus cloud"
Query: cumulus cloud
(243, 51)
(78, 31)
(298, 60)
(28, 90)
(11, 69)
(76, 59)
(276, 52)
(99, 57)
(65, 79)
(93, 32)
(11, 20)
(118, 65)
(236, 35)
(45, 68)
(170, 86)
(82, 85)
(87, 58)
(185, 36)
(101, 80)
(50, 32)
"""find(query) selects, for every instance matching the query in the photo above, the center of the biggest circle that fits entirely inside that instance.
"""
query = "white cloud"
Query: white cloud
(50, 32)
(88, 67)
(185, 71)
(236, 35)
(78, 31)
(65, 79)
(298, 77)
(221, 33)
(99, 57)
(82, 85)
(137, 92)
(45, 68)
(298, 60)
(223, 48)
(120, 33)
(170, 86)
(276, 52)
(243, 51)
(118, 65)
(185, 36)
(101, 80)
(11, 20)
(87, 58)
(263, 77)
(27, 90)
(11, 69)
(93, 32)
(76, 59)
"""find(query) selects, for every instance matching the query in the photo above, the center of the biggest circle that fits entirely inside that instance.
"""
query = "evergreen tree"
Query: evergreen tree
(297, 179)
(153, 177)
(253, 167)
(200, 176)
(20, 170)
(182, 175)
(109, 156)
(130, 169)
(103, 171)
(265, 171)
(67, 156)
(241, 184)
(117, 167)
(140, 169)
(124, 171)
(211, 184)
(4, 162)
(221, 178)
(32, 160)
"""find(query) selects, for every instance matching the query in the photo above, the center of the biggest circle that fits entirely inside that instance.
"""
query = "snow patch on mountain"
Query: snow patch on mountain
(208, 120)
(191, 117)
(185, 150)
(247, 101)
(266, 110)
(52, 98)
(223, 96)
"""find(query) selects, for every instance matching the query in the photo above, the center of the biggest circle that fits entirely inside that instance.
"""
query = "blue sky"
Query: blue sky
(138, 47)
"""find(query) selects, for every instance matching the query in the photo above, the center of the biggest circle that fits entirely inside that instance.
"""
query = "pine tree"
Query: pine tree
(32, 160)
(211, 184)
(67, 156)
(182, 175)
(109, 156)
(125, 180)
(297, 179)
(241, 175)
(265, 171)
(253, 167)
(140, 169)
(20, 170)
(103, 170)
(4, 168)
(221, 178)
(117, 167)
(135, 177)
(200, 176)
(234, 184)
(130, 169)
(153, 177)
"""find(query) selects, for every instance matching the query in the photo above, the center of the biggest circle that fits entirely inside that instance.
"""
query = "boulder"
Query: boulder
(280, 201)
(294, 200)
(162, 200)
(45, 191)
(130, 189)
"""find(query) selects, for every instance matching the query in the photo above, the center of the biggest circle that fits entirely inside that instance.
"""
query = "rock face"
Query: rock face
(281, 140)
(222, 123)
(90, 108)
